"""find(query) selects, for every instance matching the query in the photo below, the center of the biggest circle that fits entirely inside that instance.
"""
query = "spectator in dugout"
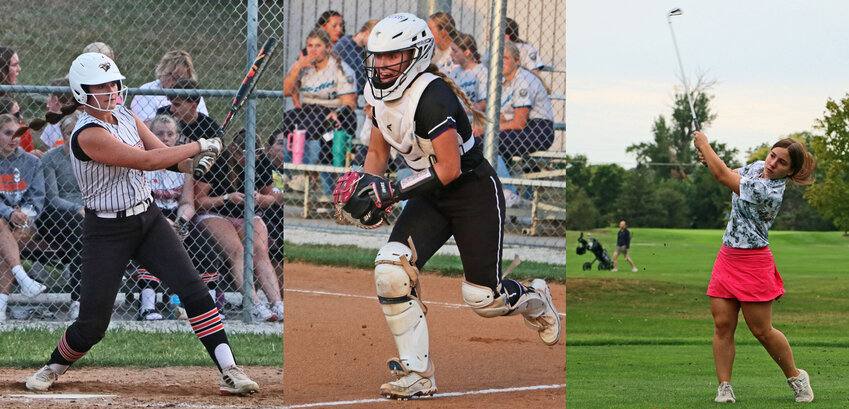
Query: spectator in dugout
(63, 210)
(220, 200)
(468, 73)
(444, 29)
(351, 49)
(529, 57)
(186, 110)
(328, 96)
(273, 215)
(174, 65)
(527, 120)
(10, 66)
(173, 193)
(21, 202)
(52, 134)
(333, 23)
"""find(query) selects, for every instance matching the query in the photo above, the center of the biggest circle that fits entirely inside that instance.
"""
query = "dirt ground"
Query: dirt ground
(193, 387)
(337, 342)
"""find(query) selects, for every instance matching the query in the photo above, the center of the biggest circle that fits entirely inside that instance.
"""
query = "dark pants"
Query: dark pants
(471, 209)
(108, 245)
(63, 228)
(537, 135)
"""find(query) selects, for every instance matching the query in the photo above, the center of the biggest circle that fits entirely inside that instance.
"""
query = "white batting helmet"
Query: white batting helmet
(398, 32)
(93, 69)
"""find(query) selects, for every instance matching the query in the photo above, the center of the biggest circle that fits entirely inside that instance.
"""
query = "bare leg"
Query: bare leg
(725, 315)
(615, 259)
(227, 240)
(262, 263)
(627, 257)
(758, 317)
(9, 257)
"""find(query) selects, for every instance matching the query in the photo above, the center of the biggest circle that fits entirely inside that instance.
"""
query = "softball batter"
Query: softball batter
(744, 275)
(454, 191)
(110, 149)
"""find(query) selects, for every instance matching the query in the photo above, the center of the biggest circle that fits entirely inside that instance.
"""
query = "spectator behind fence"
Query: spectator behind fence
(52, 134)
(100, 47)
(220, 200)
(468, 74)
(173, 194)
(351, 49)
(61, 222)
(444, 29)
(527, 121)
(333, 23)
(529, 57)
(328, 97)
(174, 65)
(273, 215)
(10, 106)
(10, 66)
(185, 109)
(21, 202)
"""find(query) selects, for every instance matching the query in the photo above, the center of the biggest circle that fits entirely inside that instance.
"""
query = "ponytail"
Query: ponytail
(478, 115)
(50, 117)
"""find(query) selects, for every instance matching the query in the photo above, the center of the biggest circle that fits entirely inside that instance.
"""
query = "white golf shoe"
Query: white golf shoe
(801, 385)
(724, 394)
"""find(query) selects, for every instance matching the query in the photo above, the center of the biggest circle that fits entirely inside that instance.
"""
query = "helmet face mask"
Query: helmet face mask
(404, 33)
(91, 69)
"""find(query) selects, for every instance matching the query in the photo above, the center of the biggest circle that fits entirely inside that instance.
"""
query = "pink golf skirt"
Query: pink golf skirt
(746, 275)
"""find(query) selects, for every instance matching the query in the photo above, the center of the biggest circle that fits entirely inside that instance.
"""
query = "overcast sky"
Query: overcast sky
(775, 62)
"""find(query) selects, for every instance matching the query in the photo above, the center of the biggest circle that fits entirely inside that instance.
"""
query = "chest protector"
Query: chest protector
(396, 120)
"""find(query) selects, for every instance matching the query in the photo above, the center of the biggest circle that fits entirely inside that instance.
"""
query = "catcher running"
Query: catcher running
(453, 191)
(110, 149)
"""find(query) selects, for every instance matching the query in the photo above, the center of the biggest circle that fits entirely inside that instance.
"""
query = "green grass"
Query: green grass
(356, 257)
(629, 333)
(32, 347)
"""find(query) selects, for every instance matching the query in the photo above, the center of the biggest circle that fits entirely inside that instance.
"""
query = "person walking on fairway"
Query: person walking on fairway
(744, 275)
(623, 244)
(455, 191)
(110, 150)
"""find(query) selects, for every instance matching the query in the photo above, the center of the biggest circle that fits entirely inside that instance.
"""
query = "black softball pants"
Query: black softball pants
(108, 245)
(471, 208)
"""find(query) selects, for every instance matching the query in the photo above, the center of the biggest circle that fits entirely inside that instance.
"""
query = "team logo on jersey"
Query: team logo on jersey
(523, 92)
(106, 66)
(389, 127)
(350, 79)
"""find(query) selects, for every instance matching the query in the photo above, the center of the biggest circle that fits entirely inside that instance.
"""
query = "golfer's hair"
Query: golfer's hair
(802, 163)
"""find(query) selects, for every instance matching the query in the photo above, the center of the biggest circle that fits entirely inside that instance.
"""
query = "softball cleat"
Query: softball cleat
(42, 380)
(409, 386)
(548, 324)
(235, 382)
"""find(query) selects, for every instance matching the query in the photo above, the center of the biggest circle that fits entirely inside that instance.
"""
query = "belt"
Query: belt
(137, 209)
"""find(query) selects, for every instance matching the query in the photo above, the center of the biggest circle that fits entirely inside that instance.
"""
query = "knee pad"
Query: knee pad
(395, 279)
(484, 301)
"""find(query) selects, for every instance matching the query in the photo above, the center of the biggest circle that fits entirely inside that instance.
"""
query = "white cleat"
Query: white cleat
(42, 379)
(548, 324)
(801, 385)
(409, 386)
(724, 394)
(235, 382)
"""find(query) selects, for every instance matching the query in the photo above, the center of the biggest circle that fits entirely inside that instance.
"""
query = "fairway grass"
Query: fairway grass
(643, 340)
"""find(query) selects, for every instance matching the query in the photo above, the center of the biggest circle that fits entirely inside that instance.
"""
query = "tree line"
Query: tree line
(669, 187)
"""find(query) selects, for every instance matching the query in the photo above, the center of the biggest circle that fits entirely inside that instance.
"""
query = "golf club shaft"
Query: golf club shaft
(684, 77)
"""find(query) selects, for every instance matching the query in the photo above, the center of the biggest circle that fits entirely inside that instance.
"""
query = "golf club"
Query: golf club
(678, 12)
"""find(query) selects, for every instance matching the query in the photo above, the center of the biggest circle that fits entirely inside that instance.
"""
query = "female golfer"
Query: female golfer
(454, 191)
(744, 275)
(110, 149)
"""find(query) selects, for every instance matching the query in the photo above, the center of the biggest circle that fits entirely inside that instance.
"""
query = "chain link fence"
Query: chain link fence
(195, 52)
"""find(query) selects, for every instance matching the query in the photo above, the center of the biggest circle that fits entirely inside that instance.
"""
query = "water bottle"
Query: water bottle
(173, 304)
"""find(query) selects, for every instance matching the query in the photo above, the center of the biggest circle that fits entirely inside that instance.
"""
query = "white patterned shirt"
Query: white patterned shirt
(754, 209)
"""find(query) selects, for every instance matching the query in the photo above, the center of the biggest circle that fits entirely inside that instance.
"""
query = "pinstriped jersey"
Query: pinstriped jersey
(108, 188)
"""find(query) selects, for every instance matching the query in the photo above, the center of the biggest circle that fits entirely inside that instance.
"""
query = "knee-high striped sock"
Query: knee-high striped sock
(207, 325)
(65, 353)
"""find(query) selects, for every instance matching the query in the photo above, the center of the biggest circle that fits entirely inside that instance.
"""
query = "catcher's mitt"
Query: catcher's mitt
(353, 203)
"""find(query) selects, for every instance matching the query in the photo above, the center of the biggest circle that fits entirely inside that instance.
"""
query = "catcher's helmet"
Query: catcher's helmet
(398, 32)
(93, 69)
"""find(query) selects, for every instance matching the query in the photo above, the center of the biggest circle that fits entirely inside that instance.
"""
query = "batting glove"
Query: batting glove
(212, 145)
(202, 162)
